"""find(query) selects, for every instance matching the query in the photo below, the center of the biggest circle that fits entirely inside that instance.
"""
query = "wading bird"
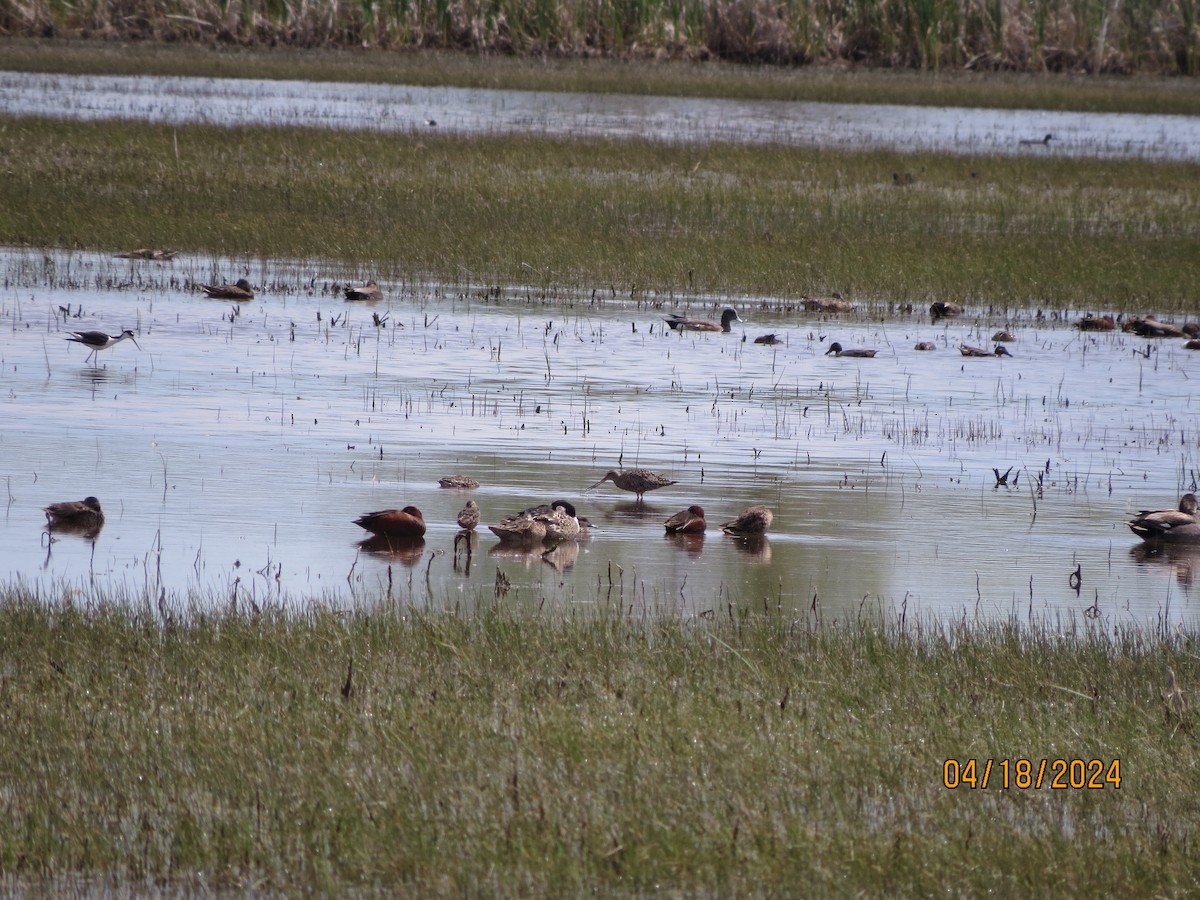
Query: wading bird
(636, 481)
(98, 340)
(469, 517)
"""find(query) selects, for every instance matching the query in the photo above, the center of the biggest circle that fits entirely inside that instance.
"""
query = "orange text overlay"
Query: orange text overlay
(1023, 774)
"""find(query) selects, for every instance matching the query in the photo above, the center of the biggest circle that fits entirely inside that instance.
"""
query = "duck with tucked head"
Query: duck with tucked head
(406, 523)
(688, 521)
(943, 309)
(753, 522)
(838, 350)
(468, 518)
(75, 515)
(681, 323)
(1169, 526)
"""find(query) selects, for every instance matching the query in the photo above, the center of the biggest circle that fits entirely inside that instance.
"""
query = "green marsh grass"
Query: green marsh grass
(619, 217)
(999, 90)
(508, 751)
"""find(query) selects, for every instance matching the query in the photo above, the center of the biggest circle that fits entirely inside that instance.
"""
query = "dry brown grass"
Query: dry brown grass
(1139, 36)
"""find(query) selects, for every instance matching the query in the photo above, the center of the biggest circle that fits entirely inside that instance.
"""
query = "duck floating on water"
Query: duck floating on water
(838, 350)
(1169, 526)
(688, 521)
(966, 350)
(239, 290)
(682, 323)
(753, 522)
(405, 523)
(75, 515)
(369, 291)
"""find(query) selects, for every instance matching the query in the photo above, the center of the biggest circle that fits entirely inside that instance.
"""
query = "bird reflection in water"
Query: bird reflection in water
(404, 550)
(1182, 559)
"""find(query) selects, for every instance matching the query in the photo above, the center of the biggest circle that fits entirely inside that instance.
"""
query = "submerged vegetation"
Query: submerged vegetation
(619, 217)
(511, 752)
(1013, 35)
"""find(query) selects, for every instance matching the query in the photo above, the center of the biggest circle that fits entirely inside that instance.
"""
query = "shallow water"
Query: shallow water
(233, 450)
(472, 111)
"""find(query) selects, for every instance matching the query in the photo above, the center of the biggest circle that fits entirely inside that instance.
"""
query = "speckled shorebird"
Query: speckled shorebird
(944, 310)
(1172, 526)
(468, 518)
(636, 481)
(239, 290)
(966, 350)
(838, 350)
(98, 340)
(680, 323)
(458, 481)
(369, 291)
(407, 522)
(754, 520)
(75, 514)
(687, 521)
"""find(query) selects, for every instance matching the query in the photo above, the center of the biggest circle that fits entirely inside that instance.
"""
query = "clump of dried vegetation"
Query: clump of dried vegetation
(1158, 37)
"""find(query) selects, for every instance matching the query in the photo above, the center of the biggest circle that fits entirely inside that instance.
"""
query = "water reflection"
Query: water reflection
(405, 550)
(1181, 560)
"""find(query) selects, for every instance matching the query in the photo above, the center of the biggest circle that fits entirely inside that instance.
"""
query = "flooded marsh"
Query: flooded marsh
(234, 446)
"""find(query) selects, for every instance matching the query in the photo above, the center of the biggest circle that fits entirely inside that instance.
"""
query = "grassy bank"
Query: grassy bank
(1010, 35)
(517, 752)
(835, 84)
(617, 217)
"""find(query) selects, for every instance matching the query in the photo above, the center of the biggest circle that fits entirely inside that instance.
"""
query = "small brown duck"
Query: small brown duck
(520, 529)
(680, 323)
(966, 350)
(148, 253)
(458, 481)
(1096, 323)
(239, 290)
(838, 350)
(369, 291)
(769, 339)
(688, 521)
(562, 524)
(1004, 336)
(75, 515)
(407, 522)
(468, 518)
(753, 521)
(1174, 526)
(636, 481)
(1192, 345)
(925, 345)
(944, 310)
